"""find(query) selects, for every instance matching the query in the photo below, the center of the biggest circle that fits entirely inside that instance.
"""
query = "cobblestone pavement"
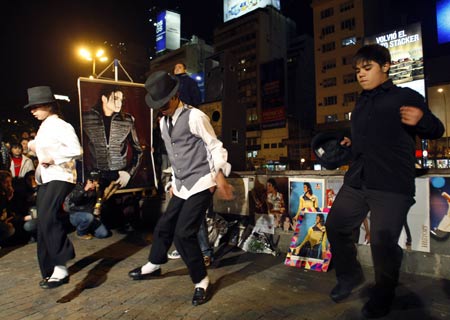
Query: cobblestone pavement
(245, 286)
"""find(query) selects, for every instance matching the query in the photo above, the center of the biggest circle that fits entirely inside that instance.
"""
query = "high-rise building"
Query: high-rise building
(301, 100)
(258, 43)
(338, 33)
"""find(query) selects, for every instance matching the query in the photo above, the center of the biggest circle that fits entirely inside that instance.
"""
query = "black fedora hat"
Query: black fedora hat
(329, 151)
(160, 87)
(39, 95)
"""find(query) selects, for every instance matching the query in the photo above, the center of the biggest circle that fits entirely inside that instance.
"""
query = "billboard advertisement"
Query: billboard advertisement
(405, 46)
(443, 21)
(167, 31)
(273, 102)
(235, 8)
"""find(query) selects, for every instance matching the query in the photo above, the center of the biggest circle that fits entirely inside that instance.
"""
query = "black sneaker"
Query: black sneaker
(345, 287)
(375, 308)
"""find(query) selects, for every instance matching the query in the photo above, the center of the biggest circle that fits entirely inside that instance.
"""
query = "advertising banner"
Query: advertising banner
(168, 31)
(273, 95)
(443, 21)
(235, 8)
(405, 46)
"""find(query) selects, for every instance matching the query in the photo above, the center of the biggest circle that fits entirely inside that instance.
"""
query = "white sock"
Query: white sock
(149, 267)
(203, 284)
(60, 272)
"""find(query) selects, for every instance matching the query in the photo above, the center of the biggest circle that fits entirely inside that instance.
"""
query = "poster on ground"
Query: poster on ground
(309, 247)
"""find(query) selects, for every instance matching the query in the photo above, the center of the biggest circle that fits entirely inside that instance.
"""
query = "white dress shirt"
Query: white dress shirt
(56, 140)
(200, 125)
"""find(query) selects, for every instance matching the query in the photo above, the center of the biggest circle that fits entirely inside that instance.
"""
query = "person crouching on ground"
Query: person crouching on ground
(80, 204)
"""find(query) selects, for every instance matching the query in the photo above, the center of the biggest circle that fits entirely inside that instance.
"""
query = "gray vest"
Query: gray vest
(187, 152)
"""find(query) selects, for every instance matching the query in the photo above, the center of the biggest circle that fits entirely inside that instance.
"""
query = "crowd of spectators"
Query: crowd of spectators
(17, 189)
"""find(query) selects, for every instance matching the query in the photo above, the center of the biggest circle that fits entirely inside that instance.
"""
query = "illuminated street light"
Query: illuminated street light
(441, 90)
(99, 56)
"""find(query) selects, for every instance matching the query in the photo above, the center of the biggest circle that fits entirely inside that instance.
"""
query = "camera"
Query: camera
(94, 175)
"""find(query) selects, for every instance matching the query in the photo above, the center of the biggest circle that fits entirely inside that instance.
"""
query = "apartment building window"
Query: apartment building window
(328, 30)
(350, 97)
(329, 82)
(349, 78)
(252, 154)
(331, 118)
(280, 145)
(328, 101)
(329, 64)
(234, 136)
(326, 13)
(346, 6)
(350, 41)
(347, 59)
(348, 24)
(330, 46)
(266, 146)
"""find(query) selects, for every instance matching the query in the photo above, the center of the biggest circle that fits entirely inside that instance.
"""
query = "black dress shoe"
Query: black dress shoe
(375, 308)
(47, 284)
(344, 288)
(43, 282)
(201, 296)
(136, 274)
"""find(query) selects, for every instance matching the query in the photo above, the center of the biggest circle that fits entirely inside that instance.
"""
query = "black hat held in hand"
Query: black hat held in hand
(329, 151)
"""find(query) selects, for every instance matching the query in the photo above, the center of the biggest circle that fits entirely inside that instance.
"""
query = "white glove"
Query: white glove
(124, 177)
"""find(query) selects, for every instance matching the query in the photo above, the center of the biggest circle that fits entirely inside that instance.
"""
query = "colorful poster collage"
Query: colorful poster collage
(440, 208)
(309, 247)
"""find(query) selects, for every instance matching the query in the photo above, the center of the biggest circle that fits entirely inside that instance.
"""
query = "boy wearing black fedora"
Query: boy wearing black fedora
(57, 147)
(199, 166)
(380, 179)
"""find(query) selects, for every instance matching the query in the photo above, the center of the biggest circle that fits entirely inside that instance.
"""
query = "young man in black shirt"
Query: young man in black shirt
(381, 178)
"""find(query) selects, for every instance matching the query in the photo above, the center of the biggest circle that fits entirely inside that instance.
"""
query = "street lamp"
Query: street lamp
(99, 56)
(302, 163)
(441, 90)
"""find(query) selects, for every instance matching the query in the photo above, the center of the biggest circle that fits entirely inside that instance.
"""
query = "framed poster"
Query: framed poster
(239, 205)
(333, 185)
(309, 247)
(305, 195)
(116, 126)
(440, 207)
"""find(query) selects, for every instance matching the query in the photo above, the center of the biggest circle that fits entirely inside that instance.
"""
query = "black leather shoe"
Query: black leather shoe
(376, 309)
(201, 296)
(46, 284)
(43, 282)
(344, 288)
(136, 274)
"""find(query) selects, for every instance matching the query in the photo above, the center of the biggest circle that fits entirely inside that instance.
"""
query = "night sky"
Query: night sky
(40, 38)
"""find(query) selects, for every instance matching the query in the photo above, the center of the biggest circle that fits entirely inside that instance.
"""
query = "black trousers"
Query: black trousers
(388, 213)
(180, 224)
(53, 246)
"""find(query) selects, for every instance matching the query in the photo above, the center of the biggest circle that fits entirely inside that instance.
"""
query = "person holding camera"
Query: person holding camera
(80, 204)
